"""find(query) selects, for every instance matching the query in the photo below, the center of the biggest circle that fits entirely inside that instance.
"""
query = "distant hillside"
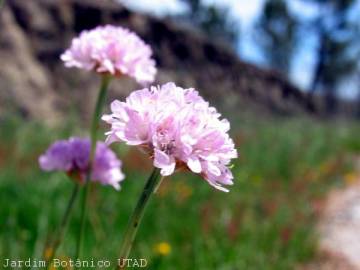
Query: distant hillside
(33, 80)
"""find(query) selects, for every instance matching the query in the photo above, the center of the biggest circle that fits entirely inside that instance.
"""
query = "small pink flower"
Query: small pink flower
(178, 128)
(72, 156)
(112, 49)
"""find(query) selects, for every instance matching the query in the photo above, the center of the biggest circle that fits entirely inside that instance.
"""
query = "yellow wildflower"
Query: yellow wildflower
(351, 177)
(48, 253)
(163, 248)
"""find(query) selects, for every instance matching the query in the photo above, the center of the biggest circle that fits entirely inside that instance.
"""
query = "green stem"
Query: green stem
(63, 225)
(93, 132)
(97, 113)
(1, 3)
(138, 213)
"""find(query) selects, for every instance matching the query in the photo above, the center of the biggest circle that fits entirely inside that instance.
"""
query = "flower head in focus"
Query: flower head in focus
(72, 156)
(112, 50)
(179, 130)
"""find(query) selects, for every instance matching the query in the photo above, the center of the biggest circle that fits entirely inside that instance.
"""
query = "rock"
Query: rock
(328, 262)
(340, 225)
(34, 81)
(24, 81)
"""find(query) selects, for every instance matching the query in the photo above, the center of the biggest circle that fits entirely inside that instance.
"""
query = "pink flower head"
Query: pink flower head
(178, 128)
(72, 156)
(112, 49)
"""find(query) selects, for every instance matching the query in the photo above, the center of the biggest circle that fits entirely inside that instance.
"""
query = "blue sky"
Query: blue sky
(245, 12)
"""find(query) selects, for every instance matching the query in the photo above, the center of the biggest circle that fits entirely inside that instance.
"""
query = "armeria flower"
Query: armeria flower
(72, 156)
(178, 128)
(114, 50)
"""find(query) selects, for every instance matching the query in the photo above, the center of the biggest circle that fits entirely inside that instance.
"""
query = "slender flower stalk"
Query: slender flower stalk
(111, 51)
(180, 131)
(135, 219)
(72, 156)
(63, 225)
(93, 132)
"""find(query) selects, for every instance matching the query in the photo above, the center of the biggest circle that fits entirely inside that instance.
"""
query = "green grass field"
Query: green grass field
(266, 221)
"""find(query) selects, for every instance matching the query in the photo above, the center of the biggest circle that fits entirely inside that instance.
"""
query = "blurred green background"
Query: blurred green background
(283, 73)
(267, 220)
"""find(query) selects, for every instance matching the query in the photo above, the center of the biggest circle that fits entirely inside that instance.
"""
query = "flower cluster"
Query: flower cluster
(178, 128)
(113, 50)
(72, 156)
